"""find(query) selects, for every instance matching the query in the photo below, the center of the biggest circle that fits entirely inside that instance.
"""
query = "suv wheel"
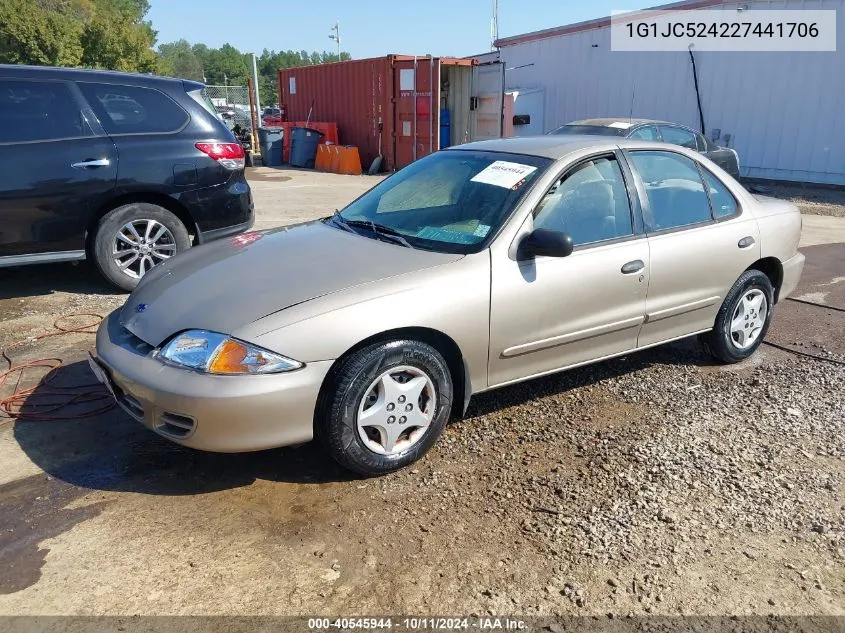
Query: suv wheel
(133, 238)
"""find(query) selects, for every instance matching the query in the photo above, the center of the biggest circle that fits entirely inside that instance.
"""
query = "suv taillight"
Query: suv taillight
(229, 155)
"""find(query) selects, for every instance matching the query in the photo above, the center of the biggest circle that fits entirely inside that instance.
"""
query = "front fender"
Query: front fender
(453, 299)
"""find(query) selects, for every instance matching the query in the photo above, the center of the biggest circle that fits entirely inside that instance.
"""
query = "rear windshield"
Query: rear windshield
(592, 130)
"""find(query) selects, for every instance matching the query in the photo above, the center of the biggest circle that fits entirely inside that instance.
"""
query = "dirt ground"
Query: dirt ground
(652, 484)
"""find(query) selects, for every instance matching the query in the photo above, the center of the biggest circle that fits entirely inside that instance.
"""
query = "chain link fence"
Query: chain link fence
(232, 102)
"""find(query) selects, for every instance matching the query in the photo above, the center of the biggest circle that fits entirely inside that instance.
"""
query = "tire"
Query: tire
(730, 344)
(173, 240)
(375, 373)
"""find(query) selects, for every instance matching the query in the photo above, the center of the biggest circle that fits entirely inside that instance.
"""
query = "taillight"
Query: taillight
(228, 155)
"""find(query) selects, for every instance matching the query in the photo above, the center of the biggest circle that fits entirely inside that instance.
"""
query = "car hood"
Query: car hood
(228, 284)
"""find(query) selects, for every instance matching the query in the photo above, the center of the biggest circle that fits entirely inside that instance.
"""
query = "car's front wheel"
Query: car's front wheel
(133, 238)
(384, 406)
(743, 319)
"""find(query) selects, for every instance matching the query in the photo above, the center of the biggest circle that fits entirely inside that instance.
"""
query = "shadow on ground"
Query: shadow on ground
(44, 279)
(111, 451)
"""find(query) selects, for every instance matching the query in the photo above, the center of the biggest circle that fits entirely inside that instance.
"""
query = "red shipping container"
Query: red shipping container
(398, 97)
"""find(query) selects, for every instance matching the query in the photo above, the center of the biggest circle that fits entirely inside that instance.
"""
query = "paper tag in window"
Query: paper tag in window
(503, 173)
(482, 230)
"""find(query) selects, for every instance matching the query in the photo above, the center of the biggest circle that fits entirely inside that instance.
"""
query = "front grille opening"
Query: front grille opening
(132, 405)
(175, 425)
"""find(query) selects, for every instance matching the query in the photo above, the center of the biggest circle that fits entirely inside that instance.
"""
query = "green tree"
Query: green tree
(179, 60)
(45, 32)
(95, 33)
(226, 65)
(117, 38)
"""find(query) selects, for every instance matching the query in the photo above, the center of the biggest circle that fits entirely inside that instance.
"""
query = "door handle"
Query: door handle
(745, 242)
(86, 164)
(633, 267)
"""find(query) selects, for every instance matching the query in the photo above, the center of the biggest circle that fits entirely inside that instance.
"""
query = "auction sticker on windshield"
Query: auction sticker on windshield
(503, 173)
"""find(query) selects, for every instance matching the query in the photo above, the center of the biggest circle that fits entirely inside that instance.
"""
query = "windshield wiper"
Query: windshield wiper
(380, 230)
(340, 221)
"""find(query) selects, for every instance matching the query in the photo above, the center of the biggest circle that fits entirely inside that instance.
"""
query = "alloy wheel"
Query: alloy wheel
(141, 244)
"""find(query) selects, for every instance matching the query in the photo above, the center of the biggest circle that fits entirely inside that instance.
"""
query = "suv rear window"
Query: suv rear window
(134, 110)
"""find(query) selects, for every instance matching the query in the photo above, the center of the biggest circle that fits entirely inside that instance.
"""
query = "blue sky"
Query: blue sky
(368, 28)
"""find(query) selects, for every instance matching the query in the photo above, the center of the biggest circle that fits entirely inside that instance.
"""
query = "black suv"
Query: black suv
(121, 168)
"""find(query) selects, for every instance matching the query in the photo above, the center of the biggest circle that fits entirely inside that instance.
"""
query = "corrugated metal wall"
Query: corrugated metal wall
(785, 112)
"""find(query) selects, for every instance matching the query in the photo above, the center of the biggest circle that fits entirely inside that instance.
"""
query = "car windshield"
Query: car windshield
(450, 201)
(592, 130)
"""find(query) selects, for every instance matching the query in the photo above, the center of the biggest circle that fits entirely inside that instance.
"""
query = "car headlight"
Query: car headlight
(216, 353)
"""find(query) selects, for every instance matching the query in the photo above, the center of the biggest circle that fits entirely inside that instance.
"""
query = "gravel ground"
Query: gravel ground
(626, 474)
(813, 200)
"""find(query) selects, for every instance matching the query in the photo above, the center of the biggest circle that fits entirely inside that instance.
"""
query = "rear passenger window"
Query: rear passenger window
(134, 110)
(676, 195)
(646, 133)
(589, 203)
(724, 203)
(39, 111)
(678, 136)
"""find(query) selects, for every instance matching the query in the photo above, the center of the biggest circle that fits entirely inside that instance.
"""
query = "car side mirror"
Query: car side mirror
(544, 242)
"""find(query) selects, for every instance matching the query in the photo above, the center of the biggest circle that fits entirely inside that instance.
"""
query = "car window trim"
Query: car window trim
(637, 225)
(94, 126)
(685, 129)
(701, 171)
(121, 134)
(647, 204)
(641, 126)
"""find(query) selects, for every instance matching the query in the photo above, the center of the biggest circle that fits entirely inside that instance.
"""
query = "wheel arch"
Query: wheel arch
(160, 199)
(440, 341)
(773, 269)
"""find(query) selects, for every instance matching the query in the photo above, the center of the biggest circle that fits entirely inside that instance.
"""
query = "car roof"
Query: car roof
(559, 146)
(608, 121)
(88, 74)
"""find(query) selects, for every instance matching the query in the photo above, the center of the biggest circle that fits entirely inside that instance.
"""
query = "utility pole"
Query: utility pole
(336, 37)
(255, 83)
(494, 26)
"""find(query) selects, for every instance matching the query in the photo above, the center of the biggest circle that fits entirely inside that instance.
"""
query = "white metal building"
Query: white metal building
(783, 112)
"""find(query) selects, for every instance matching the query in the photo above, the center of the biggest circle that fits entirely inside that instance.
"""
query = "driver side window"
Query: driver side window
(590, 203)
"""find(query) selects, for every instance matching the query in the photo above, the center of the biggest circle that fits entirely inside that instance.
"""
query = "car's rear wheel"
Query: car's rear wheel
(133, 238)
(743, 319)
(384, 406)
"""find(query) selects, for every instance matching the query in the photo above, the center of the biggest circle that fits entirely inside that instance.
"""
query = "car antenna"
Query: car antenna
(633, 92)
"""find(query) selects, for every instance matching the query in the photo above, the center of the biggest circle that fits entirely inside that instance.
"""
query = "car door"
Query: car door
(58, 168)
(547, 313)
(700, 241)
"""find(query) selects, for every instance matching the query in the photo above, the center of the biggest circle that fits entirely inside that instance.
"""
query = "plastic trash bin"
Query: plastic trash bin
(270, 142)
(303, 146)
(445, 129)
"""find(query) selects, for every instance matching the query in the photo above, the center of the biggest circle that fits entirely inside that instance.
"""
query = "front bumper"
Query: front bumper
(792, 269)
(225, 414)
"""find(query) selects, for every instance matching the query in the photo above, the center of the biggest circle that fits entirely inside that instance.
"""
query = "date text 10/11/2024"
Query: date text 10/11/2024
(419, 624)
